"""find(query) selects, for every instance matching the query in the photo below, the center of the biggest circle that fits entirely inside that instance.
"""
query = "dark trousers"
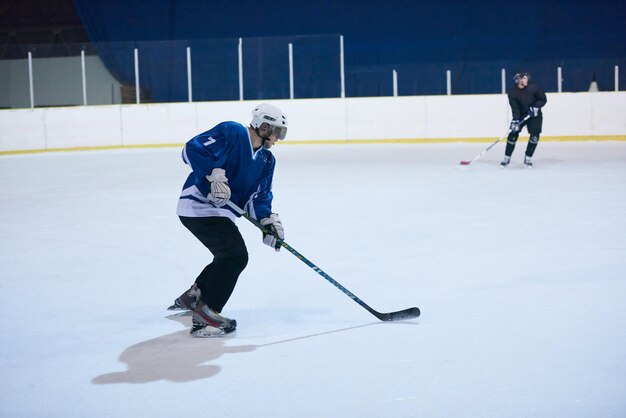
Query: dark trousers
(534, 129)
(230, 256)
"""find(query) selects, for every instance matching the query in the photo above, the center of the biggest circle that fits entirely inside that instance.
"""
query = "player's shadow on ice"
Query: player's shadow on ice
(178, 357)
(175, 357)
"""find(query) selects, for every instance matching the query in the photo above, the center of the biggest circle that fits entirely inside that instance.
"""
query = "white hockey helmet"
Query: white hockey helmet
(273, 116)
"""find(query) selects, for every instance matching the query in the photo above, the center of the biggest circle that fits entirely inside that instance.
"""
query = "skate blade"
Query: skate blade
(178, 315)
(179, 307)
(210, 332)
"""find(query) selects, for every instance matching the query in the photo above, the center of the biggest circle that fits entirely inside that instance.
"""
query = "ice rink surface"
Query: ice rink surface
(520, 275)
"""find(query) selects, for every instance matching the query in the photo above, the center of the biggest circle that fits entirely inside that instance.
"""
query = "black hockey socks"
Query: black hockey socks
(532, 145)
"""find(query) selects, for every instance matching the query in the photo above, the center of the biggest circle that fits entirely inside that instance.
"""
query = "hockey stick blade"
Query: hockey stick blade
(465, 162)
(404, 315)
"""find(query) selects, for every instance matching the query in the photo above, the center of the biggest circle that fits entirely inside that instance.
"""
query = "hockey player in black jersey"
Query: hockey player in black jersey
(525, 99)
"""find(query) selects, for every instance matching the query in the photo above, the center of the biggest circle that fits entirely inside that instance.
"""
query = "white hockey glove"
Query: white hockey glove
(276, 233)
(220, 192)
(515, 125)
(533, 112)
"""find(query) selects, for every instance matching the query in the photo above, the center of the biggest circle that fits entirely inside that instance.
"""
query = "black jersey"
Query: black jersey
(522, 99)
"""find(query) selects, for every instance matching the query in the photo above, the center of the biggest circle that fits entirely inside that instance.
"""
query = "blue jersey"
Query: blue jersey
(227, 146)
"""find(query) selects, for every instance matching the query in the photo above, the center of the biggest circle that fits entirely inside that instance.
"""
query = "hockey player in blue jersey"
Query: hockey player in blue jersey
(228, 162)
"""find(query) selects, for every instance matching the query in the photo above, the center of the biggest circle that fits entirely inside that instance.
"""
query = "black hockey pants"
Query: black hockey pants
(230, 256)
(534, 129)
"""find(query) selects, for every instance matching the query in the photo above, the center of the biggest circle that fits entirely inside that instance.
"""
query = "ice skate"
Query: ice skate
(528, 162)
(208, 323)
(505, 161)
(186, 301)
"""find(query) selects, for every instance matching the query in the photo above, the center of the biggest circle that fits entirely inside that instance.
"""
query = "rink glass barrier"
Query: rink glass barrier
(262, 69)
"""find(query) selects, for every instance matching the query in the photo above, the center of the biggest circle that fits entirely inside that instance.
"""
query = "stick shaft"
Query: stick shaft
(405, 314)
(483, 152)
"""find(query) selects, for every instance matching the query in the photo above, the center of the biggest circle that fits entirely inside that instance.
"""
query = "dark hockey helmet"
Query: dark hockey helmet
(521, 74)
(272, 116)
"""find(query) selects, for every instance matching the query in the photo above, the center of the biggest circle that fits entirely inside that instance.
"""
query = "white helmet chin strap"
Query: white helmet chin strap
(263, 139)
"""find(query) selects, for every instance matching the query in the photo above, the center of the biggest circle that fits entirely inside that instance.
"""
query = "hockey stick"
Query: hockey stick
(464, 162)
(409, 313)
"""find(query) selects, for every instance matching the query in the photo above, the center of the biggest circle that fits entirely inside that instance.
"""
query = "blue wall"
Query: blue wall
(420, 39)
